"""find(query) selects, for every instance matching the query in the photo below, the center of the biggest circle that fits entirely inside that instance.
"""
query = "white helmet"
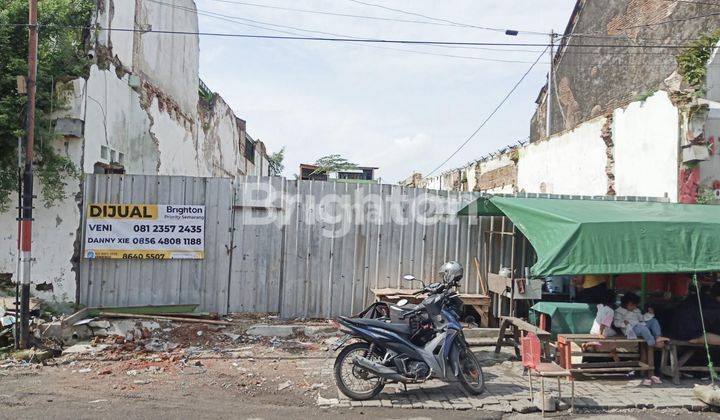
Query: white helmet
(451, 271)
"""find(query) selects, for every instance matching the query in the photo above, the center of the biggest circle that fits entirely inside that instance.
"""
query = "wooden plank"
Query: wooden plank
(481, 277)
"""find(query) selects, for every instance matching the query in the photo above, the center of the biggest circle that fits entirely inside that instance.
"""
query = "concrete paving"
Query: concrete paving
(507, 391)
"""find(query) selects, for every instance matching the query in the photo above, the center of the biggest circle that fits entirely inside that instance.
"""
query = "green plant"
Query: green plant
(332, 163)
(645, 95)
(275, 162)
(62, 56)
(692, 61)
(706, 195)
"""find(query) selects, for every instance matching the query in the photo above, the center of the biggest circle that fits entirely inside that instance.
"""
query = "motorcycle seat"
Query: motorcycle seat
(405, 308)
(402, 329)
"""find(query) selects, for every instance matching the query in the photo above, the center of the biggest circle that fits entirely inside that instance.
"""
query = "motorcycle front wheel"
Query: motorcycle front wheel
(470, 375)
(354, 381)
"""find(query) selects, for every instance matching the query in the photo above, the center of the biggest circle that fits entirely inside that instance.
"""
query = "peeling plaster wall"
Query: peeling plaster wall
(221, 138)
(569, 163)
(54, 231)
(116, 119)
(157, 125)
(646, 139)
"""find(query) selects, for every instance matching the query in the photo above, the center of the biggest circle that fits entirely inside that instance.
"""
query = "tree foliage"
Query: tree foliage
(275, 162)
(62, 56)
(692, 62)
(332, 163)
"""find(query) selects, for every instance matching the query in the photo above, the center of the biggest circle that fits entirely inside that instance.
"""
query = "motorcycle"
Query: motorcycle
(414, 344)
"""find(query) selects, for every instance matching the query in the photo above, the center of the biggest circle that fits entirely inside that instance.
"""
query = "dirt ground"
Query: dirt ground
(252, 381)
(193, 370)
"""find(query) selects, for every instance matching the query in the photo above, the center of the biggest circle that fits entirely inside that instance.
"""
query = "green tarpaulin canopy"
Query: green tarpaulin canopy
(611, 237)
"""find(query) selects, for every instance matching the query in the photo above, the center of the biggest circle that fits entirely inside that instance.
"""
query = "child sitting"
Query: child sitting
(602, 325)
(633, 323)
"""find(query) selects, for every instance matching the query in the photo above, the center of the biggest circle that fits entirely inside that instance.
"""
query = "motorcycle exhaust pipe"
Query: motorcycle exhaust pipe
(380, 370)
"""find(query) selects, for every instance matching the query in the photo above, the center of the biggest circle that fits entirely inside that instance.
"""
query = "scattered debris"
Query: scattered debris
(32, 355)
(284, 385)
(162, 318)
(85, 348)
(709, 394)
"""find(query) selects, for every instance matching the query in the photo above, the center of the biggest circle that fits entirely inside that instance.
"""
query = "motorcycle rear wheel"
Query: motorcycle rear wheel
(349, 377)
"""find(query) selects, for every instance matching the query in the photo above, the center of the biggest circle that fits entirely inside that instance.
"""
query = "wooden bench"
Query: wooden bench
(644, 356)
(676, 355)
(518, 327)
(481, 303)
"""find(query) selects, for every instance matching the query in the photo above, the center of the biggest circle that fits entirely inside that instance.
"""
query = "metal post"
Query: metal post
(19, 248)
(25, 228)
(643, 290)
(551, 83)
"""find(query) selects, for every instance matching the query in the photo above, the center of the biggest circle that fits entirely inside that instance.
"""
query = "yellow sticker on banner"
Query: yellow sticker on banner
(123, 211)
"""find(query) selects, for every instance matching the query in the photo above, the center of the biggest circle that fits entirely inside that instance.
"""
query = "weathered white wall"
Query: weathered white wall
(114, 118)
(54, 232)
(157, 125)
(646, 141)
(572, 162)
(710, 169)
(713, 76)
(169, 61)
(221, 138)
(468, 173)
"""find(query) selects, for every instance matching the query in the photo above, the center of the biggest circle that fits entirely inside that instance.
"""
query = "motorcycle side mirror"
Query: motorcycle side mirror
(410, 277)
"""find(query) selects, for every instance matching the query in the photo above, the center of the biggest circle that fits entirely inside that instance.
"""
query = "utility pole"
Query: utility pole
(25, 222)
(551, 83)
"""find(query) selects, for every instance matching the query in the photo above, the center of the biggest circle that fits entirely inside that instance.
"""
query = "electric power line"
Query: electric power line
(454, 23)
(234, 19)
(485, 121)
(348, 40)
(348, 15)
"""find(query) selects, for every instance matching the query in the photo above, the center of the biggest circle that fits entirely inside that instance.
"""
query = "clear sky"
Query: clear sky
(383, 106)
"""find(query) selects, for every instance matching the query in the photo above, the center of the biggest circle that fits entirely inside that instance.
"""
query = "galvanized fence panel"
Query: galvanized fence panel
(336, 251)
(106, 282)
(257, 245)
(298, 248)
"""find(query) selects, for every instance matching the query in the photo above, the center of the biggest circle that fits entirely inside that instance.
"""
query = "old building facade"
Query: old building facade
(141, 110)
(624, 120)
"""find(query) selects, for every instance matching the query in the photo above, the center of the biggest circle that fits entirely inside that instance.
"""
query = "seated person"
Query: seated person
(634, 323)
(602, 325)
(711, 314)
(591, 288)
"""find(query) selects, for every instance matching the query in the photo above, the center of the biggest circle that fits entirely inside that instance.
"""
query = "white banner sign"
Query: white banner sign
(145, 231)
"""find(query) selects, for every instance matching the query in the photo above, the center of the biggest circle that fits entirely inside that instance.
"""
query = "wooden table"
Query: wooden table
(676, 355)
(645, 355)
(518, 327)
(481, 303)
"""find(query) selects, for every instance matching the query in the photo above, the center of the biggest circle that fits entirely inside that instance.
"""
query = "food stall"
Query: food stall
(631, 241)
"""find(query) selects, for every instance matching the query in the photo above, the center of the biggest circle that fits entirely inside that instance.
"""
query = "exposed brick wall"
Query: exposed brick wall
(640, 12)
(591, 81)
(506, 175)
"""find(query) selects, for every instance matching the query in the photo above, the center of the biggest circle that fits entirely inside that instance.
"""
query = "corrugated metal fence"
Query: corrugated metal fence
(298, 248)
(105, 282)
